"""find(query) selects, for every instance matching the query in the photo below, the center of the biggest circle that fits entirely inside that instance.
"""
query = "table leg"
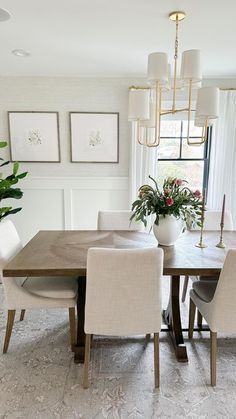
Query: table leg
(172, 318)
(80, 346)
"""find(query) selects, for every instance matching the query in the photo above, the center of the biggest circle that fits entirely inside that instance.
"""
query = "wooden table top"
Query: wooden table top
(64, 252)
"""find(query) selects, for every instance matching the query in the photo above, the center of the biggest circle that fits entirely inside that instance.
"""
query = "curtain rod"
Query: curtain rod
(227, 88)
(148, 88)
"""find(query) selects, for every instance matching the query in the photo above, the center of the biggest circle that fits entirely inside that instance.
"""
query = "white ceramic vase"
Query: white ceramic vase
(168, 230)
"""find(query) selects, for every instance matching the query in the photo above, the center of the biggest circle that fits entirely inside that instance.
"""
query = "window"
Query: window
(177, 159)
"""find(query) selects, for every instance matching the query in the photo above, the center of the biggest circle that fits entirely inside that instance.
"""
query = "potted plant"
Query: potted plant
(7, 191)
(175, 206)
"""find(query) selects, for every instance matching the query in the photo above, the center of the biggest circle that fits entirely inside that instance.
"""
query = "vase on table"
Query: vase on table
(168, 230)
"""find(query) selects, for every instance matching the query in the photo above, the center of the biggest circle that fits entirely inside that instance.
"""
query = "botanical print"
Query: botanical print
(94, 137)
(34, 136)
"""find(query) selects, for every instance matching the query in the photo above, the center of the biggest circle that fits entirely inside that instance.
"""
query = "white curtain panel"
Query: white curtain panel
(143, 162)
(222, 177)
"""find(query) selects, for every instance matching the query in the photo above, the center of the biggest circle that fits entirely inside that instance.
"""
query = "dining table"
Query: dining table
(64, 253)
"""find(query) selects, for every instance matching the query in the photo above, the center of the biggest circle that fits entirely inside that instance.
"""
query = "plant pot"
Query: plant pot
(168, 230)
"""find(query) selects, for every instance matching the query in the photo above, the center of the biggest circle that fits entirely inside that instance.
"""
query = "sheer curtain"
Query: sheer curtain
(143, 162)
(222, 177)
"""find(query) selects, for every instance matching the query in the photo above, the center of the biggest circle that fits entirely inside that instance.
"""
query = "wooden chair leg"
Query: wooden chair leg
(72, 327)
(10, 322)
(192, 311)
(213, 357)
(199, 320)
(86, 360)
(22, 315)
(156, 360)
(185, 287)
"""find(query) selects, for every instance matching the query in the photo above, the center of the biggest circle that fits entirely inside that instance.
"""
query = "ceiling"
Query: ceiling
(108, 38)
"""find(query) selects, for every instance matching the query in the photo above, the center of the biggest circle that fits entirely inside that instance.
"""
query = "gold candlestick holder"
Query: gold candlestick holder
(221, 244)
(201, 244)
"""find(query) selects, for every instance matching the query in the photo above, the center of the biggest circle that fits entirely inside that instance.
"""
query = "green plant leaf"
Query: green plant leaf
(22, 175)
(15, 168)
(3, 144)
(4, 164)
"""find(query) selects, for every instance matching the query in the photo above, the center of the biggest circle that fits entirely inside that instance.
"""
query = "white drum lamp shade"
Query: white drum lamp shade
(207, 106)
(191, 66)
(138, 105)
(158, 68)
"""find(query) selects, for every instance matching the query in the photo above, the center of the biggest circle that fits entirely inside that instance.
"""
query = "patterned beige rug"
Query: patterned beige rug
(38, 378)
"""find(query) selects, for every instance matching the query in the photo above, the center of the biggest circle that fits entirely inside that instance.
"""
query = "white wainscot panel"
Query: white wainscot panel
(57, 203)
(87, 203)
(42, 209)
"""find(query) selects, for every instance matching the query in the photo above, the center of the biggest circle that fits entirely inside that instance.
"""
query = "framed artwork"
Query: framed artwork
(34, 136)
(94, 137)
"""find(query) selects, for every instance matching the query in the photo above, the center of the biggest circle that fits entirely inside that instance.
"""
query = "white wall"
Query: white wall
(68, 195)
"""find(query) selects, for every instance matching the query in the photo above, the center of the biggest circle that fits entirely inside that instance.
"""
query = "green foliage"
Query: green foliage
(175, 199)
(7, 191)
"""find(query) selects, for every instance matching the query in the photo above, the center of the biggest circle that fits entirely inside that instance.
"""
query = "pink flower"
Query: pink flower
(197, 194)
(169, 202)
(178, 182)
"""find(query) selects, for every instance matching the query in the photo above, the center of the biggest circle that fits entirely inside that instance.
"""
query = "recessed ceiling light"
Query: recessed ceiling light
(4, 15)
(20, 53)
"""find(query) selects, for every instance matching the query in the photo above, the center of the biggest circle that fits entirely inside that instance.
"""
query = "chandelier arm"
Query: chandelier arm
(189, 107)
(138, 133)
(157, 117)
(204, 136)
(170, 111)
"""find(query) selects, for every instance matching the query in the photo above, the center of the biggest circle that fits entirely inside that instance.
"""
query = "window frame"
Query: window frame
(206, 153)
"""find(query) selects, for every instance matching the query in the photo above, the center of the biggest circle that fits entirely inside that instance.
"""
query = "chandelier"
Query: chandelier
(146, 103)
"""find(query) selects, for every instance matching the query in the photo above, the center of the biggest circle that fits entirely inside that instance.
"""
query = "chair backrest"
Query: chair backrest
(223, 313)
(10, 245)
(117, 220)
(123, 293)
(213, 217)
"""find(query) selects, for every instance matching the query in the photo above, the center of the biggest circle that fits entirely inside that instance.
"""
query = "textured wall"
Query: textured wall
(65, 95)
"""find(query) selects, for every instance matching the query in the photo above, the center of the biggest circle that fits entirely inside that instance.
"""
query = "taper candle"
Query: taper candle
(203, 205)
(223, 211)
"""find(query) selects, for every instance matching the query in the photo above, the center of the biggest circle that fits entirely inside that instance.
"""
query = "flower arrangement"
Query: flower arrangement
(175, 199)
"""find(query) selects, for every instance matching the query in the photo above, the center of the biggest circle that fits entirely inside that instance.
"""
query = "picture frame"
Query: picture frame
(34, 136)
(94, 137)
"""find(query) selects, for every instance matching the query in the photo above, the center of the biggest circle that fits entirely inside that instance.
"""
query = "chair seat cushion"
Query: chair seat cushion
(52, 287)
(205, 289)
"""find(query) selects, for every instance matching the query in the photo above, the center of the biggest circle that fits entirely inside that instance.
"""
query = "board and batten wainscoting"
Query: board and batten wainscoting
(67, 203)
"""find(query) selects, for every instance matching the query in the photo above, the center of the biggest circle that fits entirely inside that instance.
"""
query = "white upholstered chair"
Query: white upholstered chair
(216, 303)
(123, 296)
(32, 293)
(117, 220)
(212, 222)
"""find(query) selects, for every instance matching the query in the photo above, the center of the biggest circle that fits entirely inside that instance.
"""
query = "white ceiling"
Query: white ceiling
(113, 38)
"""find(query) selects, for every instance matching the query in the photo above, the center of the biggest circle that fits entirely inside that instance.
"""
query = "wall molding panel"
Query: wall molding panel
(54, 203)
